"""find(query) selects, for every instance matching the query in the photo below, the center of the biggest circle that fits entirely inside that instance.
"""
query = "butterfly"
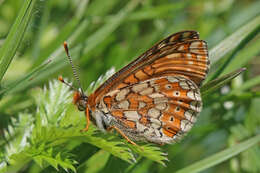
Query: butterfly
(156, 98)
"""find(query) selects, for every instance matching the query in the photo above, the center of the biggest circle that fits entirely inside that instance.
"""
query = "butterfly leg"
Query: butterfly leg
(87, 120)
(122, 134)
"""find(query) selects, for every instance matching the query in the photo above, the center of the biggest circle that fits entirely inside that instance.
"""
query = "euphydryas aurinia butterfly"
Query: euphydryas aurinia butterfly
(155, 98)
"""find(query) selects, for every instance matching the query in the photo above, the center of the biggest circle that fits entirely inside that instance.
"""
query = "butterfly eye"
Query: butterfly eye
(81, 105)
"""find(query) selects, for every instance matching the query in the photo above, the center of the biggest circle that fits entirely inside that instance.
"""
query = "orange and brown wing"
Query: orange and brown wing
(179, 54)
(189, 58)
(159, 110)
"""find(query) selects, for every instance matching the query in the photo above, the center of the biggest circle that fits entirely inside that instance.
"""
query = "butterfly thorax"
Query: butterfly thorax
(88, 104)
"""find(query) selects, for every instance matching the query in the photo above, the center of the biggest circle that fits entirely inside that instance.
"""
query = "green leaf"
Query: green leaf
(249, 31)
(15, 36)
(151, 152)
(232, 41)
(55, 161)
(95, 163)
(221, 156)
(219, 82)
(109, 143)
(27, 78)
(244, 57)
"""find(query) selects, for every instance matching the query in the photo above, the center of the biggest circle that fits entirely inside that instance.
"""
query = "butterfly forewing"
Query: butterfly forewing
(181, 40)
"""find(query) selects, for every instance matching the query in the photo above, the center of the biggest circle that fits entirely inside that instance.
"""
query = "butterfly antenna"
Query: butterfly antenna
(75, 74)
(66, 83)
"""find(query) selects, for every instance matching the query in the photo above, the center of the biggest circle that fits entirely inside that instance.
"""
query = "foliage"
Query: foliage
(41, 127)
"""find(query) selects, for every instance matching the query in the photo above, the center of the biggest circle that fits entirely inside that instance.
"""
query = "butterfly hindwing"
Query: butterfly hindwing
(156, 110)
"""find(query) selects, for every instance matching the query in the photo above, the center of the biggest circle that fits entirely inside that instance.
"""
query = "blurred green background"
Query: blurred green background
(104, 34)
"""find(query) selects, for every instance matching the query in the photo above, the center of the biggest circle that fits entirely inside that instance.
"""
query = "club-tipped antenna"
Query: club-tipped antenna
(66, 83)
(75, 74)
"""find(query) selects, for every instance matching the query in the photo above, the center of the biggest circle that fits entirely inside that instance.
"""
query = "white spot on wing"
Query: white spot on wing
(141, 104)
(123, 105)
(154, 113)
(184, 85)
(149, 132)
(132, 115)
(174, 55)
(189, 55)
(155, 95)
(197, 96)
(147, 91)
(113, 92)
(140, 127)
(185, 125)
(161, 106)
(139, 87)
(172, 79)
(122, 94)
(181, 47)
(155, 123)
(188, 114)
(160, 100)
(195, 44)
(197, 106)
(191, 94)
(192, 85)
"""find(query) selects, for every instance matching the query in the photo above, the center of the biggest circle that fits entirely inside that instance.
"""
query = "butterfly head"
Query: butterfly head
(80, 100)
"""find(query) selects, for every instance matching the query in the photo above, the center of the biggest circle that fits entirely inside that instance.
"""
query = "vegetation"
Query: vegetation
(40, 126)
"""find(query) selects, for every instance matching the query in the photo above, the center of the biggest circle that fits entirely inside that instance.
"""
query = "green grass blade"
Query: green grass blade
(245, 14)
(240, 46)
(221, 156)
(219, 82)
(150, 13)
(240, 96)
(108, 28)
(64, 34)
(27, 78)
(244, 56)
(234, 40)
(157, 11)
(15, 36)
